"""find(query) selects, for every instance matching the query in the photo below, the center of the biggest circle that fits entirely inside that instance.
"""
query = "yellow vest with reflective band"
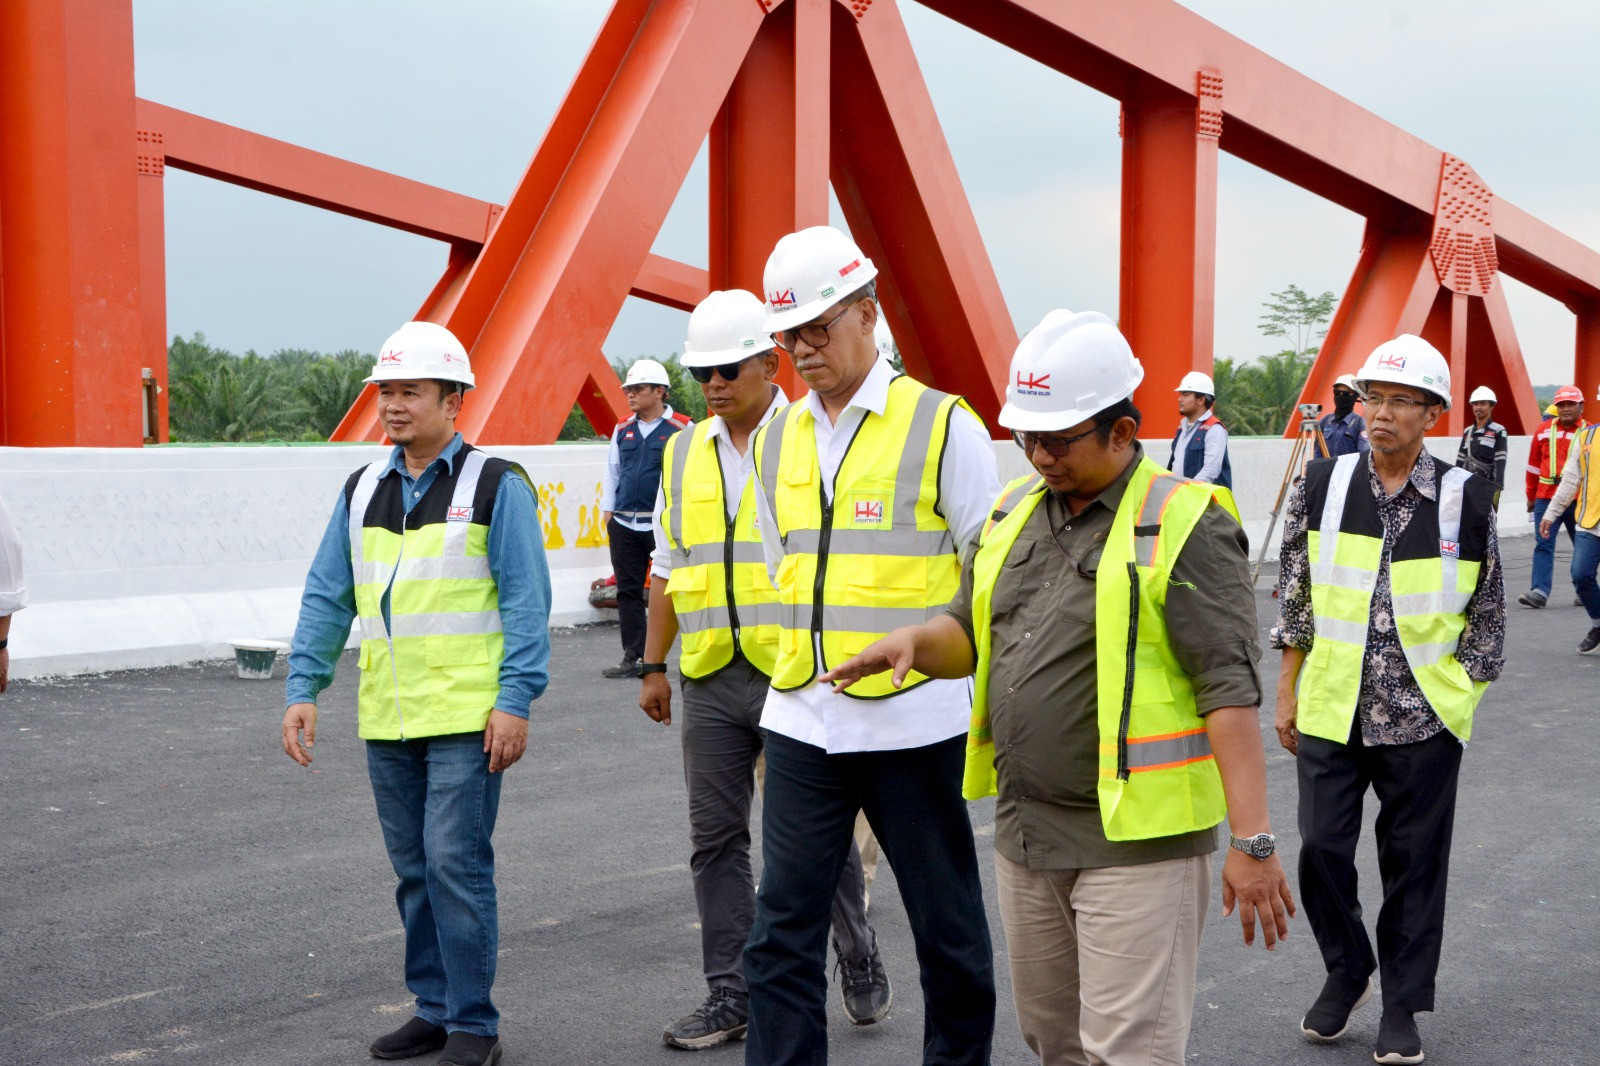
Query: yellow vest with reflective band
(1550, 471)
(1157, 774)
(720, 589)
(1587, 446)
(879, 555)
(435, 669)
(1433, 572)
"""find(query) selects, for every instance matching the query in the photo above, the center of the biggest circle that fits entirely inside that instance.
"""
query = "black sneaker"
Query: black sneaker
(1590, 642)
(864, 989)
(626, 668)
(1329, 1016)
(724, 1016)
(416, 1037)
(1532, 598)
(1398, 1041)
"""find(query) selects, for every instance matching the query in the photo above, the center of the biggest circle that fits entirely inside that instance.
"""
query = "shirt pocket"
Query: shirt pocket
(1008, 583)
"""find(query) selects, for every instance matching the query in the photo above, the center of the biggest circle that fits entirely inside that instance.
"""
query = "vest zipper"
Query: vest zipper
(727, 552)
(388, 633)
(1127, 680)
(821, 578)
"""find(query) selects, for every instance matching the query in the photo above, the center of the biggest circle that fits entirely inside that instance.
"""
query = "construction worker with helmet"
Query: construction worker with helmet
(627, 495)
(1107, 616)
(1344, 431)
(710, 583)
(435, 553)
(1580, 484)
(1484, 443)
(1391, 618)
(1547, 458)
(868, 488)
(1200, 447)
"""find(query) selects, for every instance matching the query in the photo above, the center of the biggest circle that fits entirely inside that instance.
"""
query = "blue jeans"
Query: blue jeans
(1585, 561)
(912, 798)
(1544, 550)
(437, 803)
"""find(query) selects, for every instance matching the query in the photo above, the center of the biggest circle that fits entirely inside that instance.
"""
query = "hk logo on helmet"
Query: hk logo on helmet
(1030, 385)
(388, 358)
(781, 299)
(1390, 361)
(869, 512)
(458, 514)
(1451, 548)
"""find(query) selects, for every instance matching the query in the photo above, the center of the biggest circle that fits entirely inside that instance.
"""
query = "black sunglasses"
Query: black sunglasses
(729, 371)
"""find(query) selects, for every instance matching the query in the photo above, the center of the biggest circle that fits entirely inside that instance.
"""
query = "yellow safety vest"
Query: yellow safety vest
(1157, 774)
(1433, 572)
(720, 589)
(1588, 502)
(876, 557)
(435, 669)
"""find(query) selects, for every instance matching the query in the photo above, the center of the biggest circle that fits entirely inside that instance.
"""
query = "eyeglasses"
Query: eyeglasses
(1398, 404)
(729, 371)
(814, 334)
(1056, 446)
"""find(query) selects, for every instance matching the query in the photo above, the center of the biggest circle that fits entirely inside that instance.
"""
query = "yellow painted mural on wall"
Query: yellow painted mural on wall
(591, 532)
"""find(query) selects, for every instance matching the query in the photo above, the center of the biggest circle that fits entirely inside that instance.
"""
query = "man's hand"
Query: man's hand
(1545, 525)
(893, 652)
(1284, 721)
(1530, 506)
(655, 697)
(505, 738)
(299, 716)
(1258, 886)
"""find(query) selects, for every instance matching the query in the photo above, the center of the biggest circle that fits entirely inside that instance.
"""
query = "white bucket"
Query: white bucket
(254, 659)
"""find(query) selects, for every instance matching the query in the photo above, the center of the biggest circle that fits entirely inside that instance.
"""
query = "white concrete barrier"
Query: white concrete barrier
(143, 557)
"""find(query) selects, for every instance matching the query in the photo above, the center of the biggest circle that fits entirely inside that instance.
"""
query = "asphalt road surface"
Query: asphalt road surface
(175, 890)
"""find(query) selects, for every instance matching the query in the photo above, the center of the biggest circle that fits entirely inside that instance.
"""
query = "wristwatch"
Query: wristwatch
(1257, 847)
(651, 668)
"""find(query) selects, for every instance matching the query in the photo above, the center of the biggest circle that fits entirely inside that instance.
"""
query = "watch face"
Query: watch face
(1259, 846)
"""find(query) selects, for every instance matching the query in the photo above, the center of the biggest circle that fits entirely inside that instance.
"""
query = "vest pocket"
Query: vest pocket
(456, 651)
(690, 579)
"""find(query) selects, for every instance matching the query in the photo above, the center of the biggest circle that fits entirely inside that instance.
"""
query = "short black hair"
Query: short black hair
(446, 388)
(1119, 410)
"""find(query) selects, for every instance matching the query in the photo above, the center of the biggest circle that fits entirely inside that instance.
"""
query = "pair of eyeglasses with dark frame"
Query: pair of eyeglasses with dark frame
(729, 371)
(815, 334)
(1057, 446)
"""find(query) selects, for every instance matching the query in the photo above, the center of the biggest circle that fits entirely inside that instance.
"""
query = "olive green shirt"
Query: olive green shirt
(1043, 688)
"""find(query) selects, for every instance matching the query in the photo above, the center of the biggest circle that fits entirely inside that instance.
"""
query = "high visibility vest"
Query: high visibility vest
(435, 668)
(1194, 453)
(1550, 468)
(876, 557)
(1433, 572)
(1588, 504)
(720, 589)
(1157, 775)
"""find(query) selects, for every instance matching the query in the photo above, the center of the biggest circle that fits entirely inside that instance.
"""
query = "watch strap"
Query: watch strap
(652, 668)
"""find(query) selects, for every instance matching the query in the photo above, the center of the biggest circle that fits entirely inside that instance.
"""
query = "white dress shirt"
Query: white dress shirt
(1216, 445)
(969, 482)
(637, 521)
(13, 586)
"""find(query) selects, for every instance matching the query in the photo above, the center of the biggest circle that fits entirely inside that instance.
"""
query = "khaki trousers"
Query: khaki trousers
(1103, 960)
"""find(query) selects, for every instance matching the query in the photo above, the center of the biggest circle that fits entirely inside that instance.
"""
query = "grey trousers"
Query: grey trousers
(722, 740)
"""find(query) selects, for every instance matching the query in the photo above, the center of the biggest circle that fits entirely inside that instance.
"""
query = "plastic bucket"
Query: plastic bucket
(253, 659)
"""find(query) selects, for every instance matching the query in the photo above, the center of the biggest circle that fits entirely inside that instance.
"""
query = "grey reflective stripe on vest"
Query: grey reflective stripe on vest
(1450, 599)
(455, 533)
(914, 457)
(1155, 501)
(1322, 567)
(1163, 751)
(680, 462)
(750, 615)
(712, 552)
(360, 570)
(839, 619)
(466, 568)
(1341, 630)
(447, 624)
(904, 543)
(771, 452)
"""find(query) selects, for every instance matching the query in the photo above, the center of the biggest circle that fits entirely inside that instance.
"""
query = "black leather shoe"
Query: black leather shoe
(464, 1049)
(416, 1037)
(1329, 1016)
(1591, 640)
(1398, 1042)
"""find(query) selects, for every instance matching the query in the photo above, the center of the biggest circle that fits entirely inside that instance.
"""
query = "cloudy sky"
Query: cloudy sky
(459, 95)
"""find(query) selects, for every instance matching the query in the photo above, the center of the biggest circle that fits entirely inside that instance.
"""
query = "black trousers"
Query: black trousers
(1416, 789)
(912, 798)
(630, 561)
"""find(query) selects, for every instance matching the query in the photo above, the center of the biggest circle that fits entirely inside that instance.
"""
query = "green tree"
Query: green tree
(324, 388)
(1258, 395)
(1300, 318)
(226, 399)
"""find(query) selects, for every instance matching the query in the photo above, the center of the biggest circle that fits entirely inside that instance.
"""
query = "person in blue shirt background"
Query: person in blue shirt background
(436, 553)
(1344, 431)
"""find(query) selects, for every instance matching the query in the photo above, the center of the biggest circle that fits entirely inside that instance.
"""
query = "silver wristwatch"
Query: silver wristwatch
(1257, 847)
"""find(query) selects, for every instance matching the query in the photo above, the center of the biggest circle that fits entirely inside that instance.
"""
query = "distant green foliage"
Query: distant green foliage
(1257, 396)
(292, 394)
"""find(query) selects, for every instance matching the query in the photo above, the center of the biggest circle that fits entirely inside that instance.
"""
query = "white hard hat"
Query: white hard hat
(725, 328)
(1069, 368)
(648, 372)
(1347, 381)
(1482, 392)
(1194, 381)
(883, 338)
(1408, 360)
(810, 271)
(422, 350)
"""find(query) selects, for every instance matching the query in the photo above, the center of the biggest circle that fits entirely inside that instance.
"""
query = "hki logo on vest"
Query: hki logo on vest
(869, 513)
(1033, 386)
(458, 514)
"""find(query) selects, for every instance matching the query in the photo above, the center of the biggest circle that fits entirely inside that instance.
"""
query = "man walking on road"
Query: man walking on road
(627, 493)
(869, 487)
(436, 553)
(1580, 481)
(1344, 431)
(1483, 444)
(1391, 619)
(1200, 447)
(1547, 457)
(1107, 615)
(711, 584)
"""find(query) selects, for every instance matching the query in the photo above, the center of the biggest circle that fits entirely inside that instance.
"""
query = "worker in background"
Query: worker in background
(1391, 617)
(1344, 431)
(435, 551)
(1483, 444)
(13, 588)
(1547, 456)
(710, 583)
(632, 478)
(1201, 443)
(869, 488)
(1580, 482)
(1114, 758)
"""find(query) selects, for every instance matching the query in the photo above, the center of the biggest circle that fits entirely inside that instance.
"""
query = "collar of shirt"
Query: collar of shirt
(871, 395)
(719, 425)
(646, 427)
(1421, 478)
(397, 460)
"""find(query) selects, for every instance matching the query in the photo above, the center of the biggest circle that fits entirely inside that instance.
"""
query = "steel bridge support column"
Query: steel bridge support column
(1586, 355)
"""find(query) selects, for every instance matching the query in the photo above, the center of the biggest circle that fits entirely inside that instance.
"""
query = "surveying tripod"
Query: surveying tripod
(1310, 434)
